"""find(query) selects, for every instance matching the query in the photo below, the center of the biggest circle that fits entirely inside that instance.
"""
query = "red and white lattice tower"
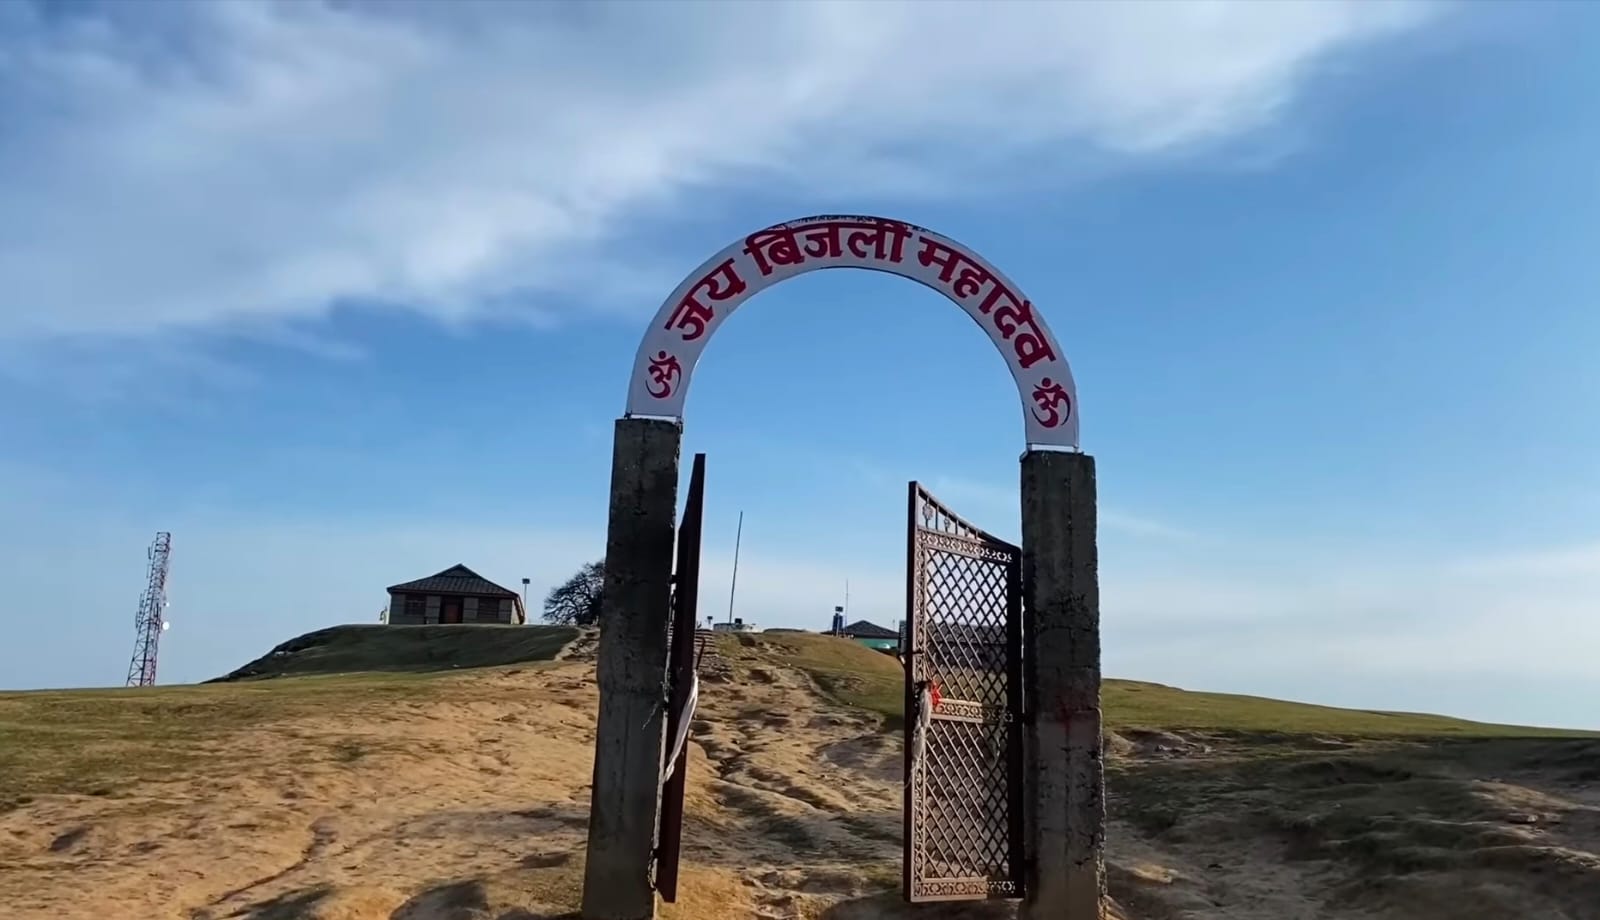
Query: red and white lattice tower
(152, 614)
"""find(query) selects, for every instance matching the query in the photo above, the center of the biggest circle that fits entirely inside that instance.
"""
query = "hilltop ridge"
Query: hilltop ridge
(376, 648)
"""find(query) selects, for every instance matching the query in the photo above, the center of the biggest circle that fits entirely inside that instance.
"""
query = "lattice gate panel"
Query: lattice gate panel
(963, 655)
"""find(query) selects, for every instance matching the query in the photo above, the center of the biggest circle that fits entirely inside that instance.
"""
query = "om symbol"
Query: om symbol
(664, 370)
(1053, 405)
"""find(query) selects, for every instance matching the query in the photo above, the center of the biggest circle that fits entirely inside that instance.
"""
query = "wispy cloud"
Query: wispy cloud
(1005, 503)
(1574, 561)
(219, 165)
(1139, 525)
(1401, 616)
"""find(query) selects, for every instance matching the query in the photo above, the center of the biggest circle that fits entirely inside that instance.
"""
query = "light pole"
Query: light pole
(525, 600)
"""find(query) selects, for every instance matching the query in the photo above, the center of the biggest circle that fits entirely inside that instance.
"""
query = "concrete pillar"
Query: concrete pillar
(1065, 779)
(631, 671)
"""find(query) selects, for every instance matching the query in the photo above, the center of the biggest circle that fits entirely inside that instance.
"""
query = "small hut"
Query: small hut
(455, 595)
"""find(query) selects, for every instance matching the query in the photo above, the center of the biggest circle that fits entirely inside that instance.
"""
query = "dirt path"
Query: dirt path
(813, 789)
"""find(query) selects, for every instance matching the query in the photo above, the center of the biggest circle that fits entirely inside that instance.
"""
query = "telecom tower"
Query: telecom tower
(151, 621)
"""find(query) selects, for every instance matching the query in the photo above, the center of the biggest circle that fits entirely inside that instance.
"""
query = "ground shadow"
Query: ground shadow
(1411, 827)
(467, 899)
(295, 905)
(890, 906)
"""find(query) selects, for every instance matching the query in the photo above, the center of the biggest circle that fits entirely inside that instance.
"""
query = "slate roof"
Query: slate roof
(861, 629)
(458, 579)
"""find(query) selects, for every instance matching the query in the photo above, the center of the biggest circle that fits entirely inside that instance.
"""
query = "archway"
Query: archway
(1059, 841)
(688, 318)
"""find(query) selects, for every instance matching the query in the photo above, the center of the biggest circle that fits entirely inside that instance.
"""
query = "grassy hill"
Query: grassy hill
(857, 676)
(377, 648)
(441, 773)
(84, 740)
(96, 741)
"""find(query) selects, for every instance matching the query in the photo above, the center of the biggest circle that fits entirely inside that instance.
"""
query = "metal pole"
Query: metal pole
(734, 584)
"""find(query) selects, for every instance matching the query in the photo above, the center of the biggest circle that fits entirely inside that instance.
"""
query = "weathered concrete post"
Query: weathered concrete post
(1065, 777)
(631, 671)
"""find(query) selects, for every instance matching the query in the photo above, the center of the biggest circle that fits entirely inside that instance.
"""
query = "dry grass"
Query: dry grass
(463, 795)
(851, 675)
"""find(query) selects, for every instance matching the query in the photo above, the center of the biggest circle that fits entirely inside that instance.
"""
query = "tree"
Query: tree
(576, 601)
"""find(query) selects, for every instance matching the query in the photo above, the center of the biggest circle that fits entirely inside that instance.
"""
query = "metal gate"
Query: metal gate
(682, 683)
(963, 657)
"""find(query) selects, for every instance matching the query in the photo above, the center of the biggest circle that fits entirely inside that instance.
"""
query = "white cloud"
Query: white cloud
(205, 166)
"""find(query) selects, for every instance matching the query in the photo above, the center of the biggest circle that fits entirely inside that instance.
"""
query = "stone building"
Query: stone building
(456, 595)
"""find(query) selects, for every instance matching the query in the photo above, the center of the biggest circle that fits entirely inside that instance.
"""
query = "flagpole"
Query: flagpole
(734, 584)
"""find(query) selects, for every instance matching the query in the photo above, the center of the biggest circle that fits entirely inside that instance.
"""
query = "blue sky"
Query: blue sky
(342, 295)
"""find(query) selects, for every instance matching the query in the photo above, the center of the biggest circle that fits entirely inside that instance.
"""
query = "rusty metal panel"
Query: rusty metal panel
(964, 705)
(681, 664)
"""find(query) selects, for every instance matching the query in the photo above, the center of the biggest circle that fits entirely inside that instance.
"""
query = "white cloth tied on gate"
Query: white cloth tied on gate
(682, 737)
(919, 732)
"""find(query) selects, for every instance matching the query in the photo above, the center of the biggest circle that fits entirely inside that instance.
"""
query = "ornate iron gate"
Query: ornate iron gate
(682, 681)
(963, 657)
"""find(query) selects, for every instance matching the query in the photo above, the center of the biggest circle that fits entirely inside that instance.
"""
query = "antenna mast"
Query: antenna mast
(151, 619)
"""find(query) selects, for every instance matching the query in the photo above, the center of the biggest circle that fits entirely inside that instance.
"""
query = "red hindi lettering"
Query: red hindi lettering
(774, 246)
(886, 237)
(723, 282)
(998, 292)
(823, 241)
(936, 253)
(1008, 319)
(1031, 347)
(971, 280)
(692, 316)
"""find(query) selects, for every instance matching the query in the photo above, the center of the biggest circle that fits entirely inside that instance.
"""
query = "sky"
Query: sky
(342, 294)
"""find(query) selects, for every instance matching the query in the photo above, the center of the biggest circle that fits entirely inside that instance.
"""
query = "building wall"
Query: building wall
(490, 610)
(422, 610)
(881, 645)
(402, 613)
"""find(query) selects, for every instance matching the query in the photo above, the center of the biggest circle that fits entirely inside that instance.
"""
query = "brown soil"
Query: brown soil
(470, 804)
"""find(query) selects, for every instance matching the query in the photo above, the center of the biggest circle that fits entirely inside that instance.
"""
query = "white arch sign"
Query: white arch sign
(711, 293)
